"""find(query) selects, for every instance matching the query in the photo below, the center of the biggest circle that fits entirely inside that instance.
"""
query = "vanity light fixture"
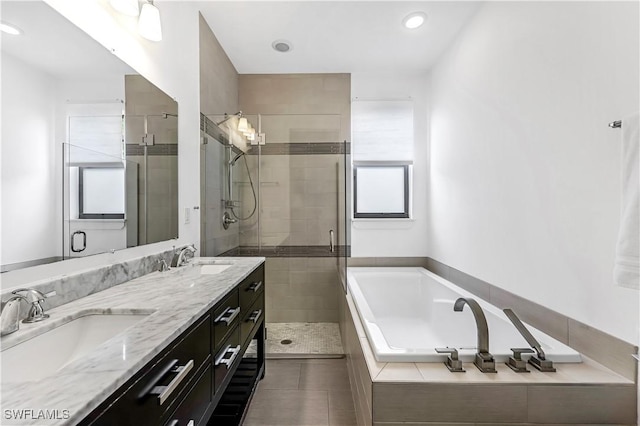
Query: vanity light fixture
(149, 25)
(10, 29)
(126, 7)
(414, 20)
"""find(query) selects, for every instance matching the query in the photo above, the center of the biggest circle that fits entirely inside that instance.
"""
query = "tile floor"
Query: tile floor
(304, 340)
(303, 392)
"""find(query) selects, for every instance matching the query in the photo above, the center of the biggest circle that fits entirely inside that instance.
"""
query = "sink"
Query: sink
(213, 269)
(212, 265)
(213, 261)
(46, 353)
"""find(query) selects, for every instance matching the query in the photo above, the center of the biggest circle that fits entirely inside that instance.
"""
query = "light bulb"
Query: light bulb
(149, 25)
(243, 125)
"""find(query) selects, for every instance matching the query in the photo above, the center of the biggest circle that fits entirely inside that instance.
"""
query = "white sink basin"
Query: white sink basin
(213, 269)
(46, 353)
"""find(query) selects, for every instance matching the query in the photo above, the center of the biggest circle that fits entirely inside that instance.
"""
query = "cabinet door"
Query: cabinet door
(195, 404)
(226, 359)
(156, 392)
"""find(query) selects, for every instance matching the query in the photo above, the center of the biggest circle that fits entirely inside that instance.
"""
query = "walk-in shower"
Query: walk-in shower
(283, 200)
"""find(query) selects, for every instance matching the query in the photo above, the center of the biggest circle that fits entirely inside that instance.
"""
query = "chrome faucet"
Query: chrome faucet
(33, 296)
(10, 316)
(483, 360)
(182, 256)
(163, 266)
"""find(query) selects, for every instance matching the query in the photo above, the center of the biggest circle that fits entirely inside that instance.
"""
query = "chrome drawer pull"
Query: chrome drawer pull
(255, 286)
(165, 392)
(255, 315)
(228, 361)
(232, 314)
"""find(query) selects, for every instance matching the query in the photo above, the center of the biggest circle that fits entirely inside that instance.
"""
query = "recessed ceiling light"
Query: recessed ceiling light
(10, 29)
(282, 46)
(414, 20)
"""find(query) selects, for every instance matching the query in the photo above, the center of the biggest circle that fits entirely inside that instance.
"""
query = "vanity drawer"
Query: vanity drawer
(251, 287)
(253, 317)
(225, 317)
(157, 390)
(226, 358)
(195, 404)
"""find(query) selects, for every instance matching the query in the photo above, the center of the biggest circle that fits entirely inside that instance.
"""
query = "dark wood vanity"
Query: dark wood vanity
(205, 376)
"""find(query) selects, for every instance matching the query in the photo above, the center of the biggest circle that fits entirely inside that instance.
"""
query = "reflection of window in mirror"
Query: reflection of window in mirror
(382, 190)
(101, 193)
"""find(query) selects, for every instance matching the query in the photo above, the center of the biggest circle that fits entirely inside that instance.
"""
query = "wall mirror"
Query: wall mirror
(89, 147)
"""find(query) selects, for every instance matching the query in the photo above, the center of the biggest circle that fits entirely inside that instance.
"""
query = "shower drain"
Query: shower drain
(286, 342)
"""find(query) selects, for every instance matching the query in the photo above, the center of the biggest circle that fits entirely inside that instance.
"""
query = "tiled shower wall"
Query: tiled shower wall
(299, 177)
(218, 95)
(301, 289)
(143, 99)
(299, 200)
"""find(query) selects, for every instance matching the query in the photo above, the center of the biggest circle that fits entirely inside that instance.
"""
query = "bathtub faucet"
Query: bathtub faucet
(483, 360)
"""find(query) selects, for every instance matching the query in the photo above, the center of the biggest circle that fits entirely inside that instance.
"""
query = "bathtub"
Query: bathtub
(408, 312)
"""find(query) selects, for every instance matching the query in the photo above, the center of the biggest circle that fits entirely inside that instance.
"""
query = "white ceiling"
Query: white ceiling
(327, 36)
(334, 36)
(53, 44)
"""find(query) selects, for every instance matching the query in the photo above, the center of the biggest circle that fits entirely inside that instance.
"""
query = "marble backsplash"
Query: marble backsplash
(70, 287)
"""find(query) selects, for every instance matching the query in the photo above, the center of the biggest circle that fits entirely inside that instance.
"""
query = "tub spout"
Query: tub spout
(483, 360)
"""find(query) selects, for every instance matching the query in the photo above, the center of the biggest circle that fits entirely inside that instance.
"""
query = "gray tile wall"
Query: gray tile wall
(143, 99)
(301, 289)
(218, 95)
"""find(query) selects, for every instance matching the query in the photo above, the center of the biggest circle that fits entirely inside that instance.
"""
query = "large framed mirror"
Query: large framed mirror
(89, 147)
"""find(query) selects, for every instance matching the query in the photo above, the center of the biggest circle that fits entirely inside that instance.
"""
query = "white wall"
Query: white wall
(388, 237)
(525, 173)
(28, 163)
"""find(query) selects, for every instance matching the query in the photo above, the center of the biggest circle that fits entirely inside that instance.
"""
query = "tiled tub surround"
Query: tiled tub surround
(603, 348)
(178, 298)
(388, 394)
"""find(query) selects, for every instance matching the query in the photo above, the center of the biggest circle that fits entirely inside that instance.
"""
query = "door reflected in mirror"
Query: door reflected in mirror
(89, 147)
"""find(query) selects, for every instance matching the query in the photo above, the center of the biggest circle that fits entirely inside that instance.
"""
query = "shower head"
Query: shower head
(236, 158)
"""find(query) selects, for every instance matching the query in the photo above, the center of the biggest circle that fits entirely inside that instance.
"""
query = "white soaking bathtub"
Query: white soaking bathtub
(408, 312)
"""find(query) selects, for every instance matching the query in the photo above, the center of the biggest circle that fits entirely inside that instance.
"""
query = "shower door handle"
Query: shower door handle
(331, 246)
(73, 241)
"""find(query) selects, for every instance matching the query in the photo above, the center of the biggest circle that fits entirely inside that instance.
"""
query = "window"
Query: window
(382, 158)
(101, 193)
(381, 190)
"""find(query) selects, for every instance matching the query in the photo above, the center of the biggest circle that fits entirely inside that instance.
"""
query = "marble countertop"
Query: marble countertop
(173, 300)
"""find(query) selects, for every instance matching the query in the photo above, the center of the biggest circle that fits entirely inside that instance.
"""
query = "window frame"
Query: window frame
(406, 214)
(81, 213)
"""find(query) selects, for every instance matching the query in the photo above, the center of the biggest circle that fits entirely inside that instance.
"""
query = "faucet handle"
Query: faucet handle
(452, 351)
(452, 363)
(516, 363)
(517, 352)
(32, 295)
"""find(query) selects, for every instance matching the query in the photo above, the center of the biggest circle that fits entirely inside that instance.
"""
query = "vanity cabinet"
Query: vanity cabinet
(209, 372)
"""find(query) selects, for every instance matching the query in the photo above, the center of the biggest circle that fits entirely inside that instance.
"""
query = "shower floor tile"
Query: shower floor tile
(303, 340)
